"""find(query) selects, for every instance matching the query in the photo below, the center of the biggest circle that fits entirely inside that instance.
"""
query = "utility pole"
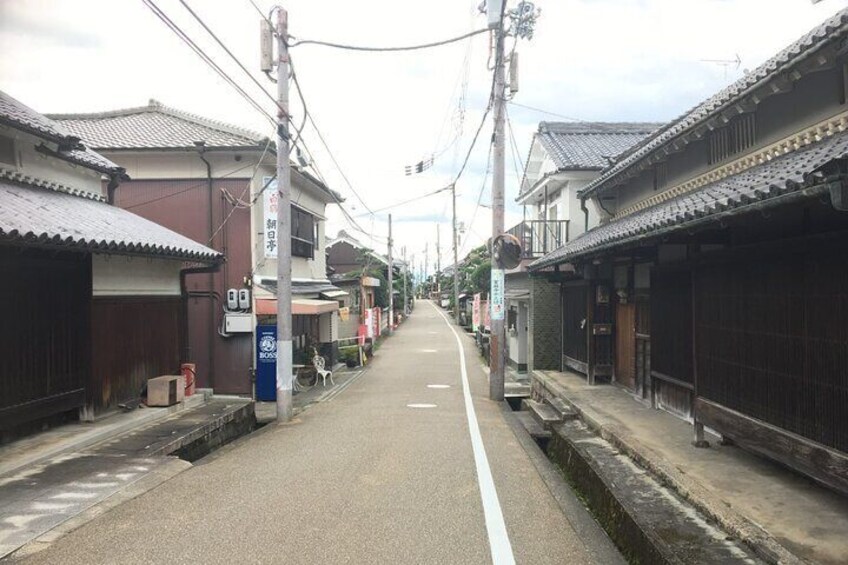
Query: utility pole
(497, 338)
(439, 263)
(455, 261)
(391, 287)
(426, 266)
(284, 289)
(404, 283)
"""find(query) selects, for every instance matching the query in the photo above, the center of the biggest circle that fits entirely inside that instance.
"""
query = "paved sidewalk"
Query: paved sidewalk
(59, 493)
(760, 501)
(382, 473)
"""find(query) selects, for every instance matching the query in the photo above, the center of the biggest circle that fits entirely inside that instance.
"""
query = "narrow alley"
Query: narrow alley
(385, 472)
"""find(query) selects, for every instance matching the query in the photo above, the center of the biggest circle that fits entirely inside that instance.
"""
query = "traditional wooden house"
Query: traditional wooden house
(93, 296)
(564, 158)
(214, 183)
(716, 286)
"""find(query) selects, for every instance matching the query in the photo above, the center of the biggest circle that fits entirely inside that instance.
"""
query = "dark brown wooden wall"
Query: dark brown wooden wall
(573, 322)
(343, 258)
(44, 337)
(183, 206)
(671, 323)
(133, 339)
(773, 340)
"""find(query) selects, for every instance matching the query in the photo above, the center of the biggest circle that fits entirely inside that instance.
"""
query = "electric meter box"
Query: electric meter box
(237, 323)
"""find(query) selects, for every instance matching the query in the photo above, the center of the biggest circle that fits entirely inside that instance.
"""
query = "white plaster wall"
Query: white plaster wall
(35, 164)
(119, 275)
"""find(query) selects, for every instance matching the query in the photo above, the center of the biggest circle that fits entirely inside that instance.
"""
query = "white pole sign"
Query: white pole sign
(497, 294)
(269, 199)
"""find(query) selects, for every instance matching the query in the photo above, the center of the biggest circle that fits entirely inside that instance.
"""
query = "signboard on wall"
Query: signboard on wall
(270, 197)
(497, 299)
(266, 362)
(475, 312)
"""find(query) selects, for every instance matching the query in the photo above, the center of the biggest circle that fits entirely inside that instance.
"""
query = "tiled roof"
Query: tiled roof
(38, 216)
(156, 126)
(780, 177)
(590, 145)
(832, 29)
(20, 116)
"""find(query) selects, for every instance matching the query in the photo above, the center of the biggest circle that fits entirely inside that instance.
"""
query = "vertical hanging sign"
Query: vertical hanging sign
(497, 298)
(270, 197)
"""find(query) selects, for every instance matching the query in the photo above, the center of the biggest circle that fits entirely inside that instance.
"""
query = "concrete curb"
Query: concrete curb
(164, 473)
(95, 436)
(595, 541)
(760, 541)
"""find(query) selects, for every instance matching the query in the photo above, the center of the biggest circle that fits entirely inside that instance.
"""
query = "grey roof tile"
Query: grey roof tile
(38, 216)
(780, 176)
(831, 29)
(590, 145)
(20, 116)
(155, 126)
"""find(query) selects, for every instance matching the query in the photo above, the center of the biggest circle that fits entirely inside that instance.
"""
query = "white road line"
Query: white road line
(499, 543)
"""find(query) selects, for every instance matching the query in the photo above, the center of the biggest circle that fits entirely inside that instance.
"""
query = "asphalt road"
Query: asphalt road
(361, 478)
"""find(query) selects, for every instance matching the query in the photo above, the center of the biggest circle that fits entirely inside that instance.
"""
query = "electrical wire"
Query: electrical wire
(413, 199)
(308, 116)
(233, 57)
(246, 189)
(208, 60)
(479, 198)
(187, 189)
(387, 49)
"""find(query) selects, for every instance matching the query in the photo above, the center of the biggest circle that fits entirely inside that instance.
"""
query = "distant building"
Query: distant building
(212, 182)
(563, 159)
(91, 294)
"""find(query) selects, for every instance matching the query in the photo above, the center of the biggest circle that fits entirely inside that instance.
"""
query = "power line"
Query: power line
(187, 189)
(243, 192)
(479, 197)
(413, 199)
(202, 54)
(387, 49)
(308, 116)
(230, 53)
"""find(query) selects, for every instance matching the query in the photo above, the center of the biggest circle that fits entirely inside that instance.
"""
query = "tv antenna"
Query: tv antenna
(726, 63)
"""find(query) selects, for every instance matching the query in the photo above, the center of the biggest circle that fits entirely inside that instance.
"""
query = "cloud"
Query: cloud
(589, 59)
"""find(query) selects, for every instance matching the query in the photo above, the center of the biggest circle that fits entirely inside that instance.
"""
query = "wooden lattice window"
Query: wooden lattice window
(738, 135)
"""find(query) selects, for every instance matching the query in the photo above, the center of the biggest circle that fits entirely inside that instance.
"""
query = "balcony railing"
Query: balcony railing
(539, 237)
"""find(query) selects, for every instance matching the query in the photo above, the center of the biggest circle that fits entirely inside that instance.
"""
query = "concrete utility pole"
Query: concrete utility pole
(455, 261)
(284, 288)
(391, 287)
(404, 283)
(439, 263)
(497, 339)
(426, 266)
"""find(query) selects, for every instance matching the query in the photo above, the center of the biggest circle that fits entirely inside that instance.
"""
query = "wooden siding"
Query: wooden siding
(133, 339)
(183, 206)
(44, 337)
(773, 341)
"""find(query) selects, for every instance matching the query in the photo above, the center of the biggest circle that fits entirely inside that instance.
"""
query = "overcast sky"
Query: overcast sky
(605, 60)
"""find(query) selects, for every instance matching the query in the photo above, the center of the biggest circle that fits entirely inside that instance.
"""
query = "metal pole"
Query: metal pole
(497, 338)
(284, 289)
(455, 261)
(391, 287)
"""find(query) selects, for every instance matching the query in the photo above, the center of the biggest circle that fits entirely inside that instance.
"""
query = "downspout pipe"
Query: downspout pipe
(585, 214)
(201, 150)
